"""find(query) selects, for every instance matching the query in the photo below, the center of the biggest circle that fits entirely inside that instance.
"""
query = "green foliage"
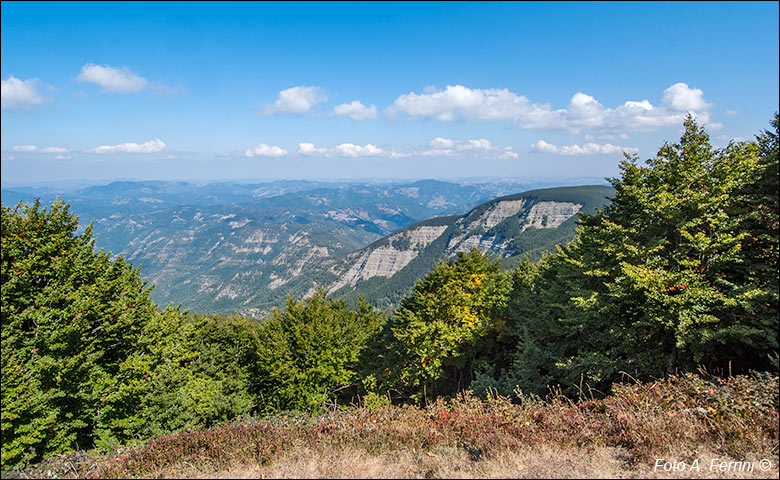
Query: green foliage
(188, 372)
(659, 280)
(70, 318)
(431, 344)
(679, 271)
(86, 357)
(307, 355)
(532, 243)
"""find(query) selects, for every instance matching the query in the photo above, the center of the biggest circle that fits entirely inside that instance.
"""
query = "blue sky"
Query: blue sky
(204, 91)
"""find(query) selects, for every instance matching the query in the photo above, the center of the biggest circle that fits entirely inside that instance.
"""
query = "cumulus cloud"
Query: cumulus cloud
(447, 147)
(440, 142)
(459, 102)
(479, 144)
(352, 150)
(24, 148)
(264, 150)
(680, 97)
(112, 79)
(17, 93)
(152, 146)
(54, 150)
(583, 112)
(296, 100)
(33, 148)
(349, 150)
(588, 149)
(355, 110)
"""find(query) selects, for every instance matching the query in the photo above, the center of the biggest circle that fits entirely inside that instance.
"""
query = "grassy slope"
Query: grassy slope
(682, 418)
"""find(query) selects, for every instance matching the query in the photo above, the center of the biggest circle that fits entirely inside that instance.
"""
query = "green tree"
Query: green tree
(668, 254)
(660, 279)
(758, 205)
(435, 340)
(70, 317)
(187, 372)
(88, 360)
(307, 355)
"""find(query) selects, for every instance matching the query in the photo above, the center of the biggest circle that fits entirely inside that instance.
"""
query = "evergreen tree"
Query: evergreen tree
(307, 355)
(70, 317)
(660, 280)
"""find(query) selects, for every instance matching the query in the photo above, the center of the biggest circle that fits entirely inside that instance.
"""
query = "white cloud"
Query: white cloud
(447, 147)
(355, 110)
(730, 112)
(297, 100)
(112, 79)
(480, 144)
(459, 102)
(439, 142)
(309, 149)
(543, 147)
(152, 146)
(349, 150)
(352, 150)
(62, 157)
(17, 93)
(437, 152)
(583, 112)
(588, 149)
(728, 138)
(33, 148)
(25, 148)
(264, 150)
(680, 97)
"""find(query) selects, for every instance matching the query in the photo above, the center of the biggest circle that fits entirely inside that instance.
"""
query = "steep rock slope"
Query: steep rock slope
(527, 223)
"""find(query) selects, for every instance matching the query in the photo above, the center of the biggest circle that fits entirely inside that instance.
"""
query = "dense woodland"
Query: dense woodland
(678, 272)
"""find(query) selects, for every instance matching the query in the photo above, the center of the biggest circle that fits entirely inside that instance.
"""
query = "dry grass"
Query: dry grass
(532, 462)
(682, 418)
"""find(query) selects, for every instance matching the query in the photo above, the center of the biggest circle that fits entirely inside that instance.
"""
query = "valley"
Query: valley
(244, 248)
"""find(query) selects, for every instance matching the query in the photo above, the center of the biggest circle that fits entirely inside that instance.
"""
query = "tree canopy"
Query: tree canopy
(678, 272)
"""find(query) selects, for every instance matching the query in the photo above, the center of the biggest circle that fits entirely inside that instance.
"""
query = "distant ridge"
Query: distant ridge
(510, 227)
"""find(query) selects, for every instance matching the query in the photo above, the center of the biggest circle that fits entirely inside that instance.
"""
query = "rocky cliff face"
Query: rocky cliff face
(476, 233)
(387, 260)
(550, 214)
(506, 227)
(497, 213)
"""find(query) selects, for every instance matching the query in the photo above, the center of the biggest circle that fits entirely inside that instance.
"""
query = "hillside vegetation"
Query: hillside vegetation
(677, 274)
(512, 227)
(698, 420)
(225, 248)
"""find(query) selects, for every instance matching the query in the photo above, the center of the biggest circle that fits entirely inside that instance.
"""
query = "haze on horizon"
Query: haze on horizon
(206, 92)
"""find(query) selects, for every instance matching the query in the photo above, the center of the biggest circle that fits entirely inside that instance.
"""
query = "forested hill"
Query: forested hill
(225, 247)
(676, 274)
(511, 227)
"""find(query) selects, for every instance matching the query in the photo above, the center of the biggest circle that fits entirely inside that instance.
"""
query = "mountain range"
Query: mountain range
(223, 248)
